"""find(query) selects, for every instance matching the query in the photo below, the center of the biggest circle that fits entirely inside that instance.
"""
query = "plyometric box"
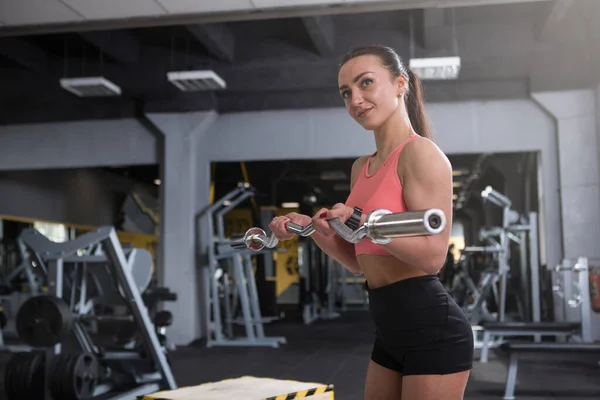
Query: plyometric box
(248, 388)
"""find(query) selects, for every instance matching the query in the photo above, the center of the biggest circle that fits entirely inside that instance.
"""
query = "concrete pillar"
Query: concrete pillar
(598, 117)
(579, 170)
(181, 182)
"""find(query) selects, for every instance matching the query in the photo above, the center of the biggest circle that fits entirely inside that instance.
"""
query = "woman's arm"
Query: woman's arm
(336, 247)
(426, 175)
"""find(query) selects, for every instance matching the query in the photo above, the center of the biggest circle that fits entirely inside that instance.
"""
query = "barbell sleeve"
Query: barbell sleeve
(381, 226)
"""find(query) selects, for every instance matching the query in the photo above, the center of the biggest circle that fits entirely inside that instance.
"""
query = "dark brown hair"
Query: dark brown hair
(414, 99)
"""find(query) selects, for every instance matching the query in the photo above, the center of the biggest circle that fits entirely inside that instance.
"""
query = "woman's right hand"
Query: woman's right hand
(278, 224)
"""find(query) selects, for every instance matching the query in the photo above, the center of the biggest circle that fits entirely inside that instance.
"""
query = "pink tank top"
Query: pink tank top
(382, 189)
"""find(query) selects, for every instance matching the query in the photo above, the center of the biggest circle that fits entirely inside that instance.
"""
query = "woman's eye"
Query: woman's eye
(345, 93)
(367, 82)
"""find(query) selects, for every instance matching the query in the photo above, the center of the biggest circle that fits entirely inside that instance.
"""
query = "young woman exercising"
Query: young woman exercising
(423, 342)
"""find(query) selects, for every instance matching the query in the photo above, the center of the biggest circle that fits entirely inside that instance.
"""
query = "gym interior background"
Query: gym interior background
(175, 165)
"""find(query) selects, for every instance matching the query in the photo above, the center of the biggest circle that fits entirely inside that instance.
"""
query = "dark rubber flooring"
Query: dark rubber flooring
(337, 352)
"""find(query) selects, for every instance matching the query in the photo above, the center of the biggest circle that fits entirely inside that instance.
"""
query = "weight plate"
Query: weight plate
(43, 321)
(36, 375)
(55, 383)
(75, 376)
(25, 376)
(85, 376)
(10, 376)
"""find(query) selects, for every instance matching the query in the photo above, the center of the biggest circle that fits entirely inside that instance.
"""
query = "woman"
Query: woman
(423, 342)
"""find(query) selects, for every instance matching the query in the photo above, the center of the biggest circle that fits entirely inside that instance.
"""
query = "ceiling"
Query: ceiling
(278, 57)
(55, 15)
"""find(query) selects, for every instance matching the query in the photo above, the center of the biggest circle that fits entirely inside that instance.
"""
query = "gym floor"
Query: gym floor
(337, 352)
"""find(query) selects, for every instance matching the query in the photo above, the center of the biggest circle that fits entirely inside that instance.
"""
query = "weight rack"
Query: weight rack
(158, 374)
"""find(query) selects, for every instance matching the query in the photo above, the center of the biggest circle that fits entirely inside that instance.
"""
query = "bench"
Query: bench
(494, 329)
(516, 348)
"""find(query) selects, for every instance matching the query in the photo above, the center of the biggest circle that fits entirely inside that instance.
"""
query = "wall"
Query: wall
(76, 145)
(574, 113)
(468, 127)
(78, 196)
(597, 92)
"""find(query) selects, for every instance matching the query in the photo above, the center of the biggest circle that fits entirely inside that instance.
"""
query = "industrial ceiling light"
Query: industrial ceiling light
(436, 68)
(93, 86)
(193, 81)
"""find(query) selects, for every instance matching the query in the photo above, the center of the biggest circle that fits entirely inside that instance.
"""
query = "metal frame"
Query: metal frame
(513, 364)
(515, 230)
(576, 294)
(528, 235)
(55, 255)
(241, 269)
(489, 336)
(511, 377)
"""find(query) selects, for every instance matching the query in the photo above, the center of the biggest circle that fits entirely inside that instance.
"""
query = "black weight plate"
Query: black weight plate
(85, 376)
(69, 379)
(10, 377)
(26, 372)
(37, 382)
(22, 376)
(28, 365)
(57, 376)
(43, 321)
(66, 377)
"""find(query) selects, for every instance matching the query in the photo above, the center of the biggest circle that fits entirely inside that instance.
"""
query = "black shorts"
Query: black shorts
(420, 330)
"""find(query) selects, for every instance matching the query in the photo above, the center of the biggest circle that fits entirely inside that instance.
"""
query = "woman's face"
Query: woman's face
(369, 92)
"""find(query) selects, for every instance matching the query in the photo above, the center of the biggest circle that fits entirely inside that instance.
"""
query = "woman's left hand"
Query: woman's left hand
(340, 211)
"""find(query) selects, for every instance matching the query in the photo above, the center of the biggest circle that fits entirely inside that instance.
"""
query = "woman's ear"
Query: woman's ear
(401, 85)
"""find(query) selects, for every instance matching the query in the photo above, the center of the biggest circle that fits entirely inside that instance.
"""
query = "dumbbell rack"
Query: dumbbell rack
(55, 255)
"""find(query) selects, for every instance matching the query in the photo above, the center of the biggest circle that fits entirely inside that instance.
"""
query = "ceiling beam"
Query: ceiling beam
(24, 54)
(322, 33)
(433, 20)
(216, 38)
(119, 45)
(555, 12)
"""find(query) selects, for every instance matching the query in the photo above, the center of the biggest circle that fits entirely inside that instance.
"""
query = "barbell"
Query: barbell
(380, 226)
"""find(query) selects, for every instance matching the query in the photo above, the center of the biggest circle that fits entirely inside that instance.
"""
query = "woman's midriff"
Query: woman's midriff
(383, 270)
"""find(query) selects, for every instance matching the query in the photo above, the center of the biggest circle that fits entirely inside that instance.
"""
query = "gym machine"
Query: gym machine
(573, 293)
(230, 277)
(22, 276)
(474, 281)
(91, 334)
(522, 231)
(329, 289)
(575, 327)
